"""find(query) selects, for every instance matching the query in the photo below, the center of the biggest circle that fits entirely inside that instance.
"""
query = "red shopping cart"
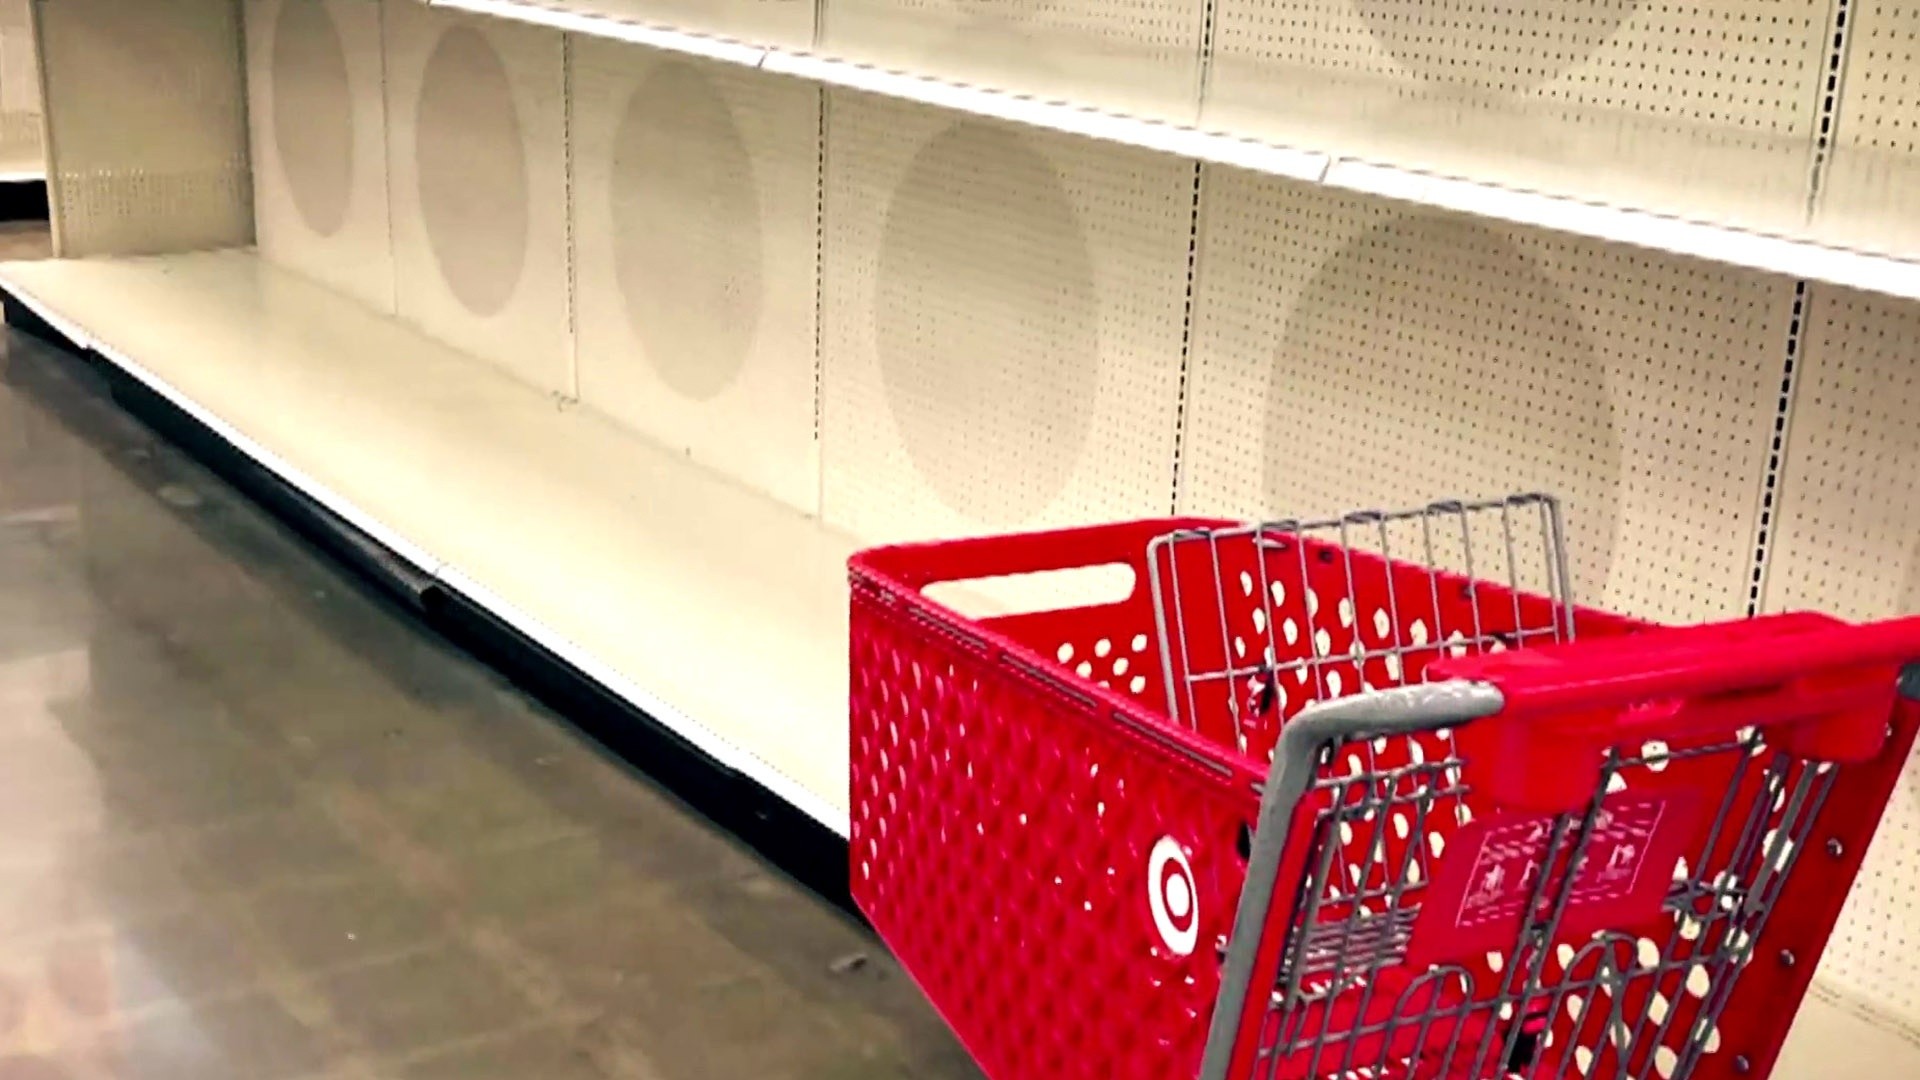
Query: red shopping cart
(1363, 798)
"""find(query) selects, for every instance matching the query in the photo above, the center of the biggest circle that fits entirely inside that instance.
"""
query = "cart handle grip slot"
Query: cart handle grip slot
(916, 566)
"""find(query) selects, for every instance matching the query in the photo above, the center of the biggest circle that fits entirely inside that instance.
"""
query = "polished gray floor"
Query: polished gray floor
(254, 825)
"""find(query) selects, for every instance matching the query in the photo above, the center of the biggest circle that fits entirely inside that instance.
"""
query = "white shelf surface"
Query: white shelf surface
(1832, 1039)
(1720, 243)
(1069, 117)
(713, 609)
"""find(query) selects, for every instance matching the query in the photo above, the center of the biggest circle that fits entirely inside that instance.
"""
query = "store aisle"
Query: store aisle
(254, 824)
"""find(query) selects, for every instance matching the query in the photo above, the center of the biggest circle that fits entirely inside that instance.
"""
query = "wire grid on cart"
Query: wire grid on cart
(1432, 888)
(1534, 1004)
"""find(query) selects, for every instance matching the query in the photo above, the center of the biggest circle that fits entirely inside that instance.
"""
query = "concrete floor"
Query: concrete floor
(254, 824)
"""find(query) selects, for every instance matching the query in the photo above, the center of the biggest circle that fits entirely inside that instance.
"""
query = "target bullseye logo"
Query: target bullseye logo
(1173, 897)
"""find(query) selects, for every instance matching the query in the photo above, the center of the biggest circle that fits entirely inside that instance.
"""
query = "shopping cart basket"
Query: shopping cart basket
(1364, 798)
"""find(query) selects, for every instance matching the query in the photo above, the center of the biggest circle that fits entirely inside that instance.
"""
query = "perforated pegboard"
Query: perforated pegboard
(476, 115)
(1131, 56)
(20, 118)
(695, 229)
(1350, 353)
(316, 85)
(1867, 197)
(767, 22)
(1631, 102)
(146, 108)
(1847, 541)
(1001, 325)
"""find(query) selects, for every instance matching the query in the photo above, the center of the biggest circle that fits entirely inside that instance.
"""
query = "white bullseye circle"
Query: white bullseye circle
(1171, 896)
(1179, 898)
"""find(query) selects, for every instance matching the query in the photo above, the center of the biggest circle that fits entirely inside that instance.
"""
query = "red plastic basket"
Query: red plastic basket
(1059, 865)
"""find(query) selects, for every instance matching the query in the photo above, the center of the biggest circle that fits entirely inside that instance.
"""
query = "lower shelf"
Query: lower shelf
(1833, 1038)
(715, 611)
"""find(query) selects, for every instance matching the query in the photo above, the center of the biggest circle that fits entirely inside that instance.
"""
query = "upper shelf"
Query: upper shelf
(1450, 149)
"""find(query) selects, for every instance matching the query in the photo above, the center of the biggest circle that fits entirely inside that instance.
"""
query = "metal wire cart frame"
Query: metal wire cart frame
(1394, 807)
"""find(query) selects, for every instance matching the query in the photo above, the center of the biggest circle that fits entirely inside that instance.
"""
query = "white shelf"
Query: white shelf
(1639, 228)
(1060, 116)
(1719, 243)
(725, 50)
(1833, 1038)
(715, 610)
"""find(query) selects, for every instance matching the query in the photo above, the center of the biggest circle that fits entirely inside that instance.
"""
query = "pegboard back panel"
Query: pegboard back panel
(21, 149)
(1867, 195)
(1352, 353)
(1001, 327)
(695, 202)
(1628, 102)
(477, 160)
(1132, 56)
(1847, 540)
(146, 108)
(316, 91)
(768, 22)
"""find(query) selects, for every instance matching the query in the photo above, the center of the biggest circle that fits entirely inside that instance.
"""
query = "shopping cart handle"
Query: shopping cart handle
(1819, 688)
(1277, 838)
(916, 566)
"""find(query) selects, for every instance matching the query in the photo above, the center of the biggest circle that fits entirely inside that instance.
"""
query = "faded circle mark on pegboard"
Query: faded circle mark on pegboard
(313, 114)
(1432, 358)
(473, 171)
(686, 220)
(1520, 43)
(986, 323)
